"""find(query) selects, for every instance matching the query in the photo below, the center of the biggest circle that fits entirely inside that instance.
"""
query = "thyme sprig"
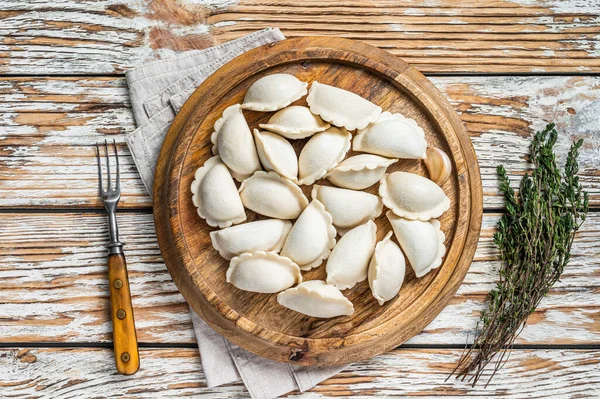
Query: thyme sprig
(534, 237)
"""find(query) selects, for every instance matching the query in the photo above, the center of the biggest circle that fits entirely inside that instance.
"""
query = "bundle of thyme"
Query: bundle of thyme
(534, 238)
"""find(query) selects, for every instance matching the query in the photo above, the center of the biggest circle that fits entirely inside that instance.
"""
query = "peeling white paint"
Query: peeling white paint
(224, 23)
(408, 373)
(215, 4)
(413, 11)
(75, 265)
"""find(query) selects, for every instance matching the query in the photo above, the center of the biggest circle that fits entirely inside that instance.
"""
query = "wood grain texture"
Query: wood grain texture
(127, 357)
(47, 127)
(65, 37)
(54, 286)
(53, 282)
(407, 373)
(256, 322)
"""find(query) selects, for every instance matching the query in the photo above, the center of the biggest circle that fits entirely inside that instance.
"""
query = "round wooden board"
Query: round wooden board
(257, 322)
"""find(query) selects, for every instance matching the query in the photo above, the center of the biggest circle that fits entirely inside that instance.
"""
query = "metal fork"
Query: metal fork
(127, 356)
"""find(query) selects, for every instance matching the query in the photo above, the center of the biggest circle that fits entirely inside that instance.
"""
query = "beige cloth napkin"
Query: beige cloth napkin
(158, 90)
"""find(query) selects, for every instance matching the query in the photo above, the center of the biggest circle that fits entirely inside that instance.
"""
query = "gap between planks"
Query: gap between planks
(48, 143)
(62, 265)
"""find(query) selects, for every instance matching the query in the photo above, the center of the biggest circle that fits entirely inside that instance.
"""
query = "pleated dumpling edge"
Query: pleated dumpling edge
(311, 238)
(312, 164)
(413, 196)
(316, 298)
(341, 107)
(386, 270)
(295, 122)
(215, 195)
(263, 272)
(233, 142)
(273, 92)
(421, 242)
(394, 136)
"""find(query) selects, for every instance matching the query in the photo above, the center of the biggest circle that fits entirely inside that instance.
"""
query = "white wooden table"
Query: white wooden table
(508, 66)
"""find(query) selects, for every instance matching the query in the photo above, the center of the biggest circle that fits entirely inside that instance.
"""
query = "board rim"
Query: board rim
(244, 332)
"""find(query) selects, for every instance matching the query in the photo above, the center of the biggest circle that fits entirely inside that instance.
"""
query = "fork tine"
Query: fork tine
(118, 173)
(107, 165)
(99, 168)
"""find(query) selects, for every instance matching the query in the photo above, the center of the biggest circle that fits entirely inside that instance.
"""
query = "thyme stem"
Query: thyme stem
(534, 238)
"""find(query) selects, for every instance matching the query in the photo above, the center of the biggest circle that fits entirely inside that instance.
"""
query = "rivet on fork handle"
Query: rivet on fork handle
(124, 335)
(127, 356)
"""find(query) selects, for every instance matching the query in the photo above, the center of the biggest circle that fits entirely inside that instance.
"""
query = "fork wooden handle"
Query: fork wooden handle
(127, 357)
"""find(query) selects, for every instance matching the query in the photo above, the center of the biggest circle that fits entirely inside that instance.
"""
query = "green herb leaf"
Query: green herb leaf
(534, 238)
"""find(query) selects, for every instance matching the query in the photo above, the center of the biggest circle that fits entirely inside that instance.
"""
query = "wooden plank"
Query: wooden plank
(410, 373)
(90, 37)
(53, 285)
(47, 127)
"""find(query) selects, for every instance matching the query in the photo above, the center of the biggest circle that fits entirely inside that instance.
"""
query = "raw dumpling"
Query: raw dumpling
(263, 272)
(348, 208)
(232, 141)
(360, 171)
(271, 195)
(262, 235)
(311, 238)
(322, 152)
(386, 270)
(422, 242)
(393, 136)
(215, 195)
(341, 107)
(273, 92)
(295, 122)
(349, 260)
(317, 299)
(276, 154)
(413, 196)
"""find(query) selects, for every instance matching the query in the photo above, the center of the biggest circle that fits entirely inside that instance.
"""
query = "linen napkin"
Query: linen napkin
(158, 90)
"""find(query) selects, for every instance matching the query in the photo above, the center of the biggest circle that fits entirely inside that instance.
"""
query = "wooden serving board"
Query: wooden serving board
(257, 322)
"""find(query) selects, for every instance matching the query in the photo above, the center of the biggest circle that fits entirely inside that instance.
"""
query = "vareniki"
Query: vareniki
(215, 195)
(348, 208)
(262, 235)
(264, 272)
(286, 234)
(413, 196)
(422, 242)
(341, 107)
(273, 92)
(269, 194)
(232, 141)
(276, 154)
(310, 241)
(360, 171)
(386, 270)
(317, 299)
(295, 122)
(393, 136)
(323, 152)
(349, 260)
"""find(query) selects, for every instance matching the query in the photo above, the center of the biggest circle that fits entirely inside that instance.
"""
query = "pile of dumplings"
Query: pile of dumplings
(267, 256)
